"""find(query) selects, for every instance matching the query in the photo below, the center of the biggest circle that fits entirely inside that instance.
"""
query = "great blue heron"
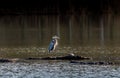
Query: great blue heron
(53, 43)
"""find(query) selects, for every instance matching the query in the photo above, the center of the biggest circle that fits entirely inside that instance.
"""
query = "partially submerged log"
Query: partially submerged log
(72, 59)
(94, 63)
(68, 57)
(2, 60)
(65, 58)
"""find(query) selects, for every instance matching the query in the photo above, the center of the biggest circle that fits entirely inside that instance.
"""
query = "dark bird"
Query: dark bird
(53, 44)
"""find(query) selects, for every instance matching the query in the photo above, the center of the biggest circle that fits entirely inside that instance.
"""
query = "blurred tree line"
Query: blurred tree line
(84, 22)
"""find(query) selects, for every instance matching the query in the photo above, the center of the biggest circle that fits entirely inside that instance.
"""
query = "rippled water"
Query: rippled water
(57, 69)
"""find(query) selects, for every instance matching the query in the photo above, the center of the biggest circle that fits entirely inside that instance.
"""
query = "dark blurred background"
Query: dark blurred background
(77, 22)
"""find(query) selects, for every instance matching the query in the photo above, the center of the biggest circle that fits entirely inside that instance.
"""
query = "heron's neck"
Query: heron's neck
(56, 41)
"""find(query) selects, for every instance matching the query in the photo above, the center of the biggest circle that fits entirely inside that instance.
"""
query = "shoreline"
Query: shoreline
(72, 60)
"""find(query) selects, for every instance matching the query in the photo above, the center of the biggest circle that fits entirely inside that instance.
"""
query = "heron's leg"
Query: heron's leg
(55, 49)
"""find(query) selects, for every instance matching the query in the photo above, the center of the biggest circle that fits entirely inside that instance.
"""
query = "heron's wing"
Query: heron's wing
(51, 46)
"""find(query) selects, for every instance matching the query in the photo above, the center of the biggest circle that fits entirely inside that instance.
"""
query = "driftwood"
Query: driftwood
(72, 59)
(68, 57)
(94, 63)
(5, 60)
(65, 58)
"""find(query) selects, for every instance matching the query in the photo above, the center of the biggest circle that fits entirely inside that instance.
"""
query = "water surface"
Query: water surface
(57, 69)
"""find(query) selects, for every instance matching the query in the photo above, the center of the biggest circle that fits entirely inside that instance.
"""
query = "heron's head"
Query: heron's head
(55, 37)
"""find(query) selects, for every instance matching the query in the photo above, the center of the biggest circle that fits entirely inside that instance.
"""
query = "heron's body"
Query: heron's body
(53, 44)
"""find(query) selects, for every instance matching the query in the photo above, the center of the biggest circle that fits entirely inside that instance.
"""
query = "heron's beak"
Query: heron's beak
(56, 37)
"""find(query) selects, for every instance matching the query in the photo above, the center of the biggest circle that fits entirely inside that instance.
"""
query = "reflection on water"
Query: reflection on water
(50, 69)
(81, 29)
